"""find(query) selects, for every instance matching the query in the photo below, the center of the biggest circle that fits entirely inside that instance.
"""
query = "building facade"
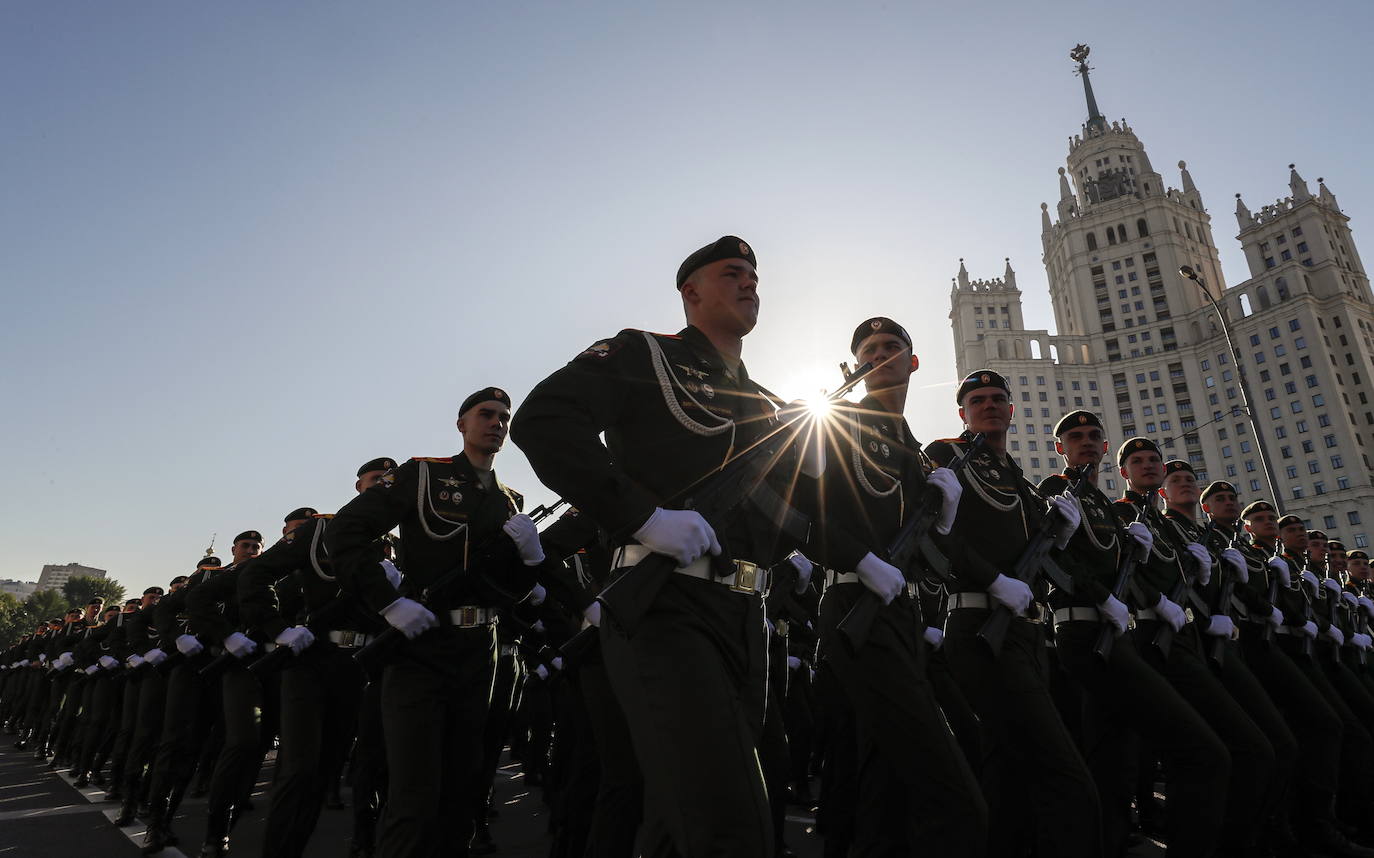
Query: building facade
(1141, 345)
(20, 590)
(54, 576)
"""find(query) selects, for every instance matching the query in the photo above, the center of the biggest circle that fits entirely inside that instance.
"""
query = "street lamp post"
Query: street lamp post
(1192, 275)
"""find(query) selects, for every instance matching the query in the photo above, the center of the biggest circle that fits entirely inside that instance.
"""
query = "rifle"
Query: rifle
(1228, 588)
(628, 599)
(384, 645)
(1030, 564)
(1181, 591)
(1106, 637)
(1306, 608)
(911, 540)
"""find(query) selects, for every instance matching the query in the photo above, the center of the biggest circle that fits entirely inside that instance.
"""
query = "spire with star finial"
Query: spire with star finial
(1096, 121)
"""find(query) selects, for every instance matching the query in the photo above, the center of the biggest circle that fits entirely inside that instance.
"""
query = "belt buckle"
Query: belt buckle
(748, 577)
(1034, 611)
(346, 638)
(780, 628)
(911, 589)
(1188, 614)
(467, 617)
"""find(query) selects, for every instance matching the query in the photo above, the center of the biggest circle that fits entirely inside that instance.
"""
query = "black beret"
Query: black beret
(153, 590)
(1178, 465)
(182, 578)
(980, 378)
(725, 247)
(1316, 534)
(300, 513)
(1257, 506)
(877, 325)
(1218, 486)
(98, 600)
(382, 464)
(128, 602)
(486, 394)
(1134, 445)
(1289, 520)
(1357, 554)
(1074, 419)
(249, 534)
(1335, 545)
(209, 560)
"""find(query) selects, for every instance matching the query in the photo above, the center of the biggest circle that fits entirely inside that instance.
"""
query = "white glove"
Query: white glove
(1172, 613)
(1141, 533)
(935, 637)
(1280, 567)
(155, 656)
(1311, 580)
(522, 530)
(556, 662)
(538, 626)
(1360, 640)
(188, 645)
(296, 637)
(793, 662)
(135, 661)
(1333, 586)
(91, 671)
(1067, 507)
(42, 658)
(1115, 612)
(542, 672)
(804, 569)
(1219, 626)
(537, 595)
(1013, 593)
(66, 657)
(1236, 562)
(1204, 561)
(1368, 605)
(392, 573)
(682, 534)
(409, 617)
(1333, 633)
(948, 483)
(881, 577)
(1276, 618)
(1309, 628)
(240, 645)
(1349, 598)
(109, 662)
(592, 613)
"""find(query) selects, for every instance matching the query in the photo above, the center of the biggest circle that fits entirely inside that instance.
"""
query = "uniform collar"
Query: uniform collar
(466, 469)
(703, 348)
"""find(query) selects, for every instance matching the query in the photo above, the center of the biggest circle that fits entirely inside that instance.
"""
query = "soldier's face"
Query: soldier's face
(1144, 470)
(484, 426)
(292, 525)
(891, 358)
(1082, 445)
(1263, 524)
(368, 480)
(1359, 570)
(150, 599)
(986, 409)
(245, 549)
(1180, 487)
(1223, 506)
(1338, 561)
(1317, 548)
(723, 296)
(1294, 536)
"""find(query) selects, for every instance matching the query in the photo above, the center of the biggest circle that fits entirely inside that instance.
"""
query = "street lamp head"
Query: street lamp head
(1187, 271)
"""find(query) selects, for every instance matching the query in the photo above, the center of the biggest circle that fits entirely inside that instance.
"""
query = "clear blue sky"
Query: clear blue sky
(245, 247)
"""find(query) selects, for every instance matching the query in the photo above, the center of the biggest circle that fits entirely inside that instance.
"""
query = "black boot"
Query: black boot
(82, 781)
(127, 814)
(159, 834)
(482, 844)
(215, 847)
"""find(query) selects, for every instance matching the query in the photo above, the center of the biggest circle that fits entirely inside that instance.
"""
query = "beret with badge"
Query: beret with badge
(1134, 445)
(486, 394)
(725, 247)
(1335, 545)
(299, 513)
(980, 378)
(877, 325)
(1290, 520)
(1316, 534)
(250, 535)
(380, 464)
(1256, 507)
(1173, 466)
(1074, 419)
(1217, 486)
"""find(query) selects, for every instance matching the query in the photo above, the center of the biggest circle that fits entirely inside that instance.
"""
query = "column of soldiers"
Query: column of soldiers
(744, 594)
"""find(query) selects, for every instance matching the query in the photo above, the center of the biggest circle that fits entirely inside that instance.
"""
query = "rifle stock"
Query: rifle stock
(1106, 637)
(1164, 635)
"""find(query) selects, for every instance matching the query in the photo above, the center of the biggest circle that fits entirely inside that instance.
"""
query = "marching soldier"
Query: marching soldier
(451, 512)
(691, 677)
(1037, 786)
(135, 644)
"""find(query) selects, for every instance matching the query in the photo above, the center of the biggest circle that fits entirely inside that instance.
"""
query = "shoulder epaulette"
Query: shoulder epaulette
(949, 441)
(324, 515)
(443, 460)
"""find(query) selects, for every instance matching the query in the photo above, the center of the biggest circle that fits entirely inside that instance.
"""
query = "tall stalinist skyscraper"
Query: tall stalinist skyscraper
(1141, 346)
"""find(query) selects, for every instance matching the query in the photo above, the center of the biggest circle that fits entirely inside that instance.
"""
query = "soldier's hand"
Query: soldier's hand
(135, 661)
(155, 656)
(1276, 618)
(804, 569)
(542, 672)
(409, 617)
(239, 645)
(1171, 612)
(592, 613)
(189, 645)
(1235, 561)
(881, 577)
(1349, 598)
(91, 670)
(1280, 567)
(948, 484)
(682, 534)
(523, 532)
(537, 595)
(1333, 586)
(298, 638)
(1114, 611)
(793, 663)
(1360, 640)
(1068, 509)
(1310, 579)
(1334, 633)
(1141, 533)
(392, 573)
(1309, 628)
(1204, 561)
(1012, 592)
(556, 662)
(1368, 605)
(933, 636)
(1219, 626)
(109, 662)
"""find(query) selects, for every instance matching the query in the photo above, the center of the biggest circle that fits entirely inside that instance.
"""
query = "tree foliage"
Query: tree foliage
(80, 589)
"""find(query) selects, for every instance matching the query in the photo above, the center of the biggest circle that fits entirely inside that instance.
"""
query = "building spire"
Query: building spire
(1009, 276)
(1243, 217)
(1045, 224)
(1325, 194)
(1297, 185)
(1096, 121)
(1188, 186)
(963, 274)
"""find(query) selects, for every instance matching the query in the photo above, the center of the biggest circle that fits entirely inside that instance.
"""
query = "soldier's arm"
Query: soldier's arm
(202, 605)
(259, 608)
(560, 423)
(958, 545)
(353, 532)
(1125, 514)
(561, 541)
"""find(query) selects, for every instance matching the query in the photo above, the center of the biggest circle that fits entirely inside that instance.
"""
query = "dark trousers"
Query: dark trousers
(915, 789)
(124, 731)
(692, 683)
(319, 716)
(799, 722)
(241, 702)
(143, 743)
(1125, 696)
(619, 805)
(99, 722)
(505, 684)
(1357, 807)
(1252, 755)
(433, 713)
(191, 711)
(574, 772)
(1037, 786)
(839, 762)
(367, 767)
